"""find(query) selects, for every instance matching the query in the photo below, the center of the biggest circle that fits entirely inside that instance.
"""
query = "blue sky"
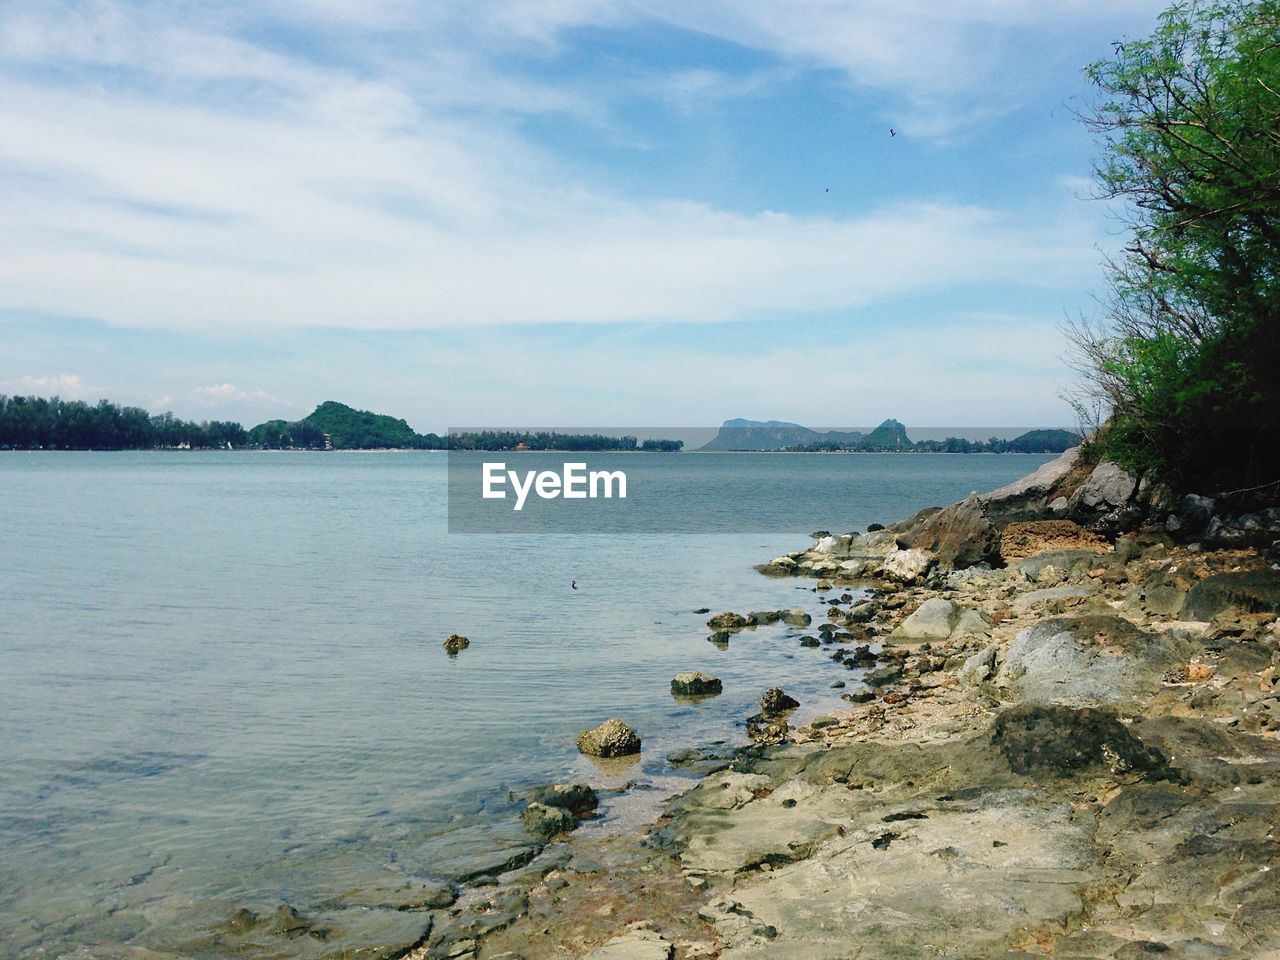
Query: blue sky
(567, 211)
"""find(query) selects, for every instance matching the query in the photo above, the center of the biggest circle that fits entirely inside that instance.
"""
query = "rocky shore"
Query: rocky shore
(1064, 744)
(1060, 740)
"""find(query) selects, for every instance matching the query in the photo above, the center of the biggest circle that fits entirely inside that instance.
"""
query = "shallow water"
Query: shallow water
(222, 682)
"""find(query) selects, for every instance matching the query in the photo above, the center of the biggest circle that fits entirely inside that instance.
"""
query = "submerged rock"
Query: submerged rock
(796, 618)
(454, 643)
(613, 738)
(695, 684)
(577, 798)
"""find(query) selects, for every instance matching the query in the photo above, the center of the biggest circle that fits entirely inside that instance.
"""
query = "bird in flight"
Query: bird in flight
(573, 584)
(893, 132)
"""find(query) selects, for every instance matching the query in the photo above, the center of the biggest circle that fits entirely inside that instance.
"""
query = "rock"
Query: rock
(808, 641)
(578, 798)
(1163, 594)
(971, 623)
(908, 566)
(768, 729)
(830, 545)
(1089, 661)
(873, 527)
(1106, 500)
(1025, 497)
(778, 566)
(1107, 487)
(695, 684)
(797, 618)
(613, 738)
(545, 822)
(1254, 591)
(1195, 513)
(720, 638)
(727, 621)
(774, 701)
(961, 535)
(883, 676)
(979, 667)
(1026, 538)
(640, 942)
(454, 643)
(933, 620)
(1062, 741)
(1258, 529)
(1067, 563)
(286, 921)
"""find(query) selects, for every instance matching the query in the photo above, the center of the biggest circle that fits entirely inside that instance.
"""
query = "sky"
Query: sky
(553, 211)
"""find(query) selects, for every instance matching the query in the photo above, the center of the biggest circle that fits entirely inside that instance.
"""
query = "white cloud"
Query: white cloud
(226, 182)
(229, 391)
(69, 386)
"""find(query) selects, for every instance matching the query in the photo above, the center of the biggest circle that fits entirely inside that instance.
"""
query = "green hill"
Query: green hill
(890, 435)
(351, 429)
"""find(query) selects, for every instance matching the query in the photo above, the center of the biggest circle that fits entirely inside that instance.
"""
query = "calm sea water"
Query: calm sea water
(222, 681)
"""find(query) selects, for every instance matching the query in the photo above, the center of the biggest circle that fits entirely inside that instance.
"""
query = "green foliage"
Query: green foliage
(1190, 133)
(896, 439)
(36, 423)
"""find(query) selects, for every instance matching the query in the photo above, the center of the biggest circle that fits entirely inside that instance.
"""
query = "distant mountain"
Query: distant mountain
(739, 434)
(890, 436)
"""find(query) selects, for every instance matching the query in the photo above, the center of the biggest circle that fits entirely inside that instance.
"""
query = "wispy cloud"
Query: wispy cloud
(69, 386)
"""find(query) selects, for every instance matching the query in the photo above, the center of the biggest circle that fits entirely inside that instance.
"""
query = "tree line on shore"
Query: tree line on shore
(38, 423)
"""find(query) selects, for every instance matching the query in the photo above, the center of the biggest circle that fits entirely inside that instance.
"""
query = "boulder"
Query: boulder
(695, 684)
(933, 620)
(774, 701)
(1067, 562)
(727, 621)
(1109, 486)
(613, 738)
(908, 566)
(961, 535)
(1025, 498)
(578, 798)
(1089, 661)
(1258, 529)
(1252, 591)
(545, 822)
(1061, 741)
(454, 643)
(796, 618)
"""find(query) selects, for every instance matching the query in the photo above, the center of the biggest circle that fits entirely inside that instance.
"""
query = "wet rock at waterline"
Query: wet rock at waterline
(773, 701)
(613, 738)
(545, 822)
(695, 684)
(455, 643)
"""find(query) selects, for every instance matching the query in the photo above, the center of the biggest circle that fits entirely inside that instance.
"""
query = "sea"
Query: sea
(223, 686)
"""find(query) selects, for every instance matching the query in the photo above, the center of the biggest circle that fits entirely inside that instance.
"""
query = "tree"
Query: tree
(1186, 359)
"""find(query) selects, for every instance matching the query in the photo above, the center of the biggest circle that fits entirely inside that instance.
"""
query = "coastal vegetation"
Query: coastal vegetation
(37, 423)
(1184, 360)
